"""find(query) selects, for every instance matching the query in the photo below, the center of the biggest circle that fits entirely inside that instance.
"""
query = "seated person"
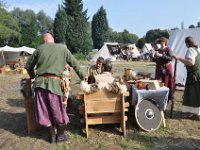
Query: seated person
(105, 80)
(107, 75)
(97, 68)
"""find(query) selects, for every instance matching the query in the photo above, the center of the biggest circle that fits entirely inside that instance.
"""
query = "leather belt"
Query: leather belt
(64, 86)
(51, 76)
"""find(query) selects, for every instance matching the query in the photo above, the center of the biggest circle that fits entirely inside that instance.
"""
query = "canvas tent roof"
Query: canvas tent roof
(19, 49)
(104, 52)
(111, 43)
(10, 55)
(147, 48)
(177, 44)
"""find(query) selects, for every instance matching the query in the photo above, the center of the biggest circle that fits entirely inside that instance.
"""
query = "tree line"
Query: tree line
(70, 26)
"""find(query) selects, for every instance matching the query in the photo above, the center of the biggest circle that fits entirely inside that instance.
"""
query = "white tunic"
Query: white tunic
(191, 53)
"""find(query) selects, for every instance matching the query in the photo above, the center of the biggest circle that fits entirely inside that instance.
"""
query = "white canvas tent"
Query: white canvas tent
(135, 51)
(177, 44)
(104, 52)
(147, 48)
(10, 55)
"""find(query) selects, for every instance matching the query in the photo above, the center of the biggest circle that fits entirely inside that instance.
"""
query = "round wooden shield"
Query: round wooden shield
(147, 115)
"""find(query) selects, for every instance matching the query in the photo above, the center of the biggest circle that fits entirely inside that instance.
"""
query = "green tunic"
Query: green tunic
(93, 71)
(51, 59)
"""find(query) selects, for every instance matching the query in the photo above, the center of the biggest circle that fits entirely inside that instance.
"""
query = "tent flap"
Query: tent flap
(177, 45)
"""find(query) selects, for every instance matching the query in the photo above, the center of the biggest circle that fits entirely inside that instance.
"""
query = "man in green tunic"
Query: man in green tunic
(46, 65)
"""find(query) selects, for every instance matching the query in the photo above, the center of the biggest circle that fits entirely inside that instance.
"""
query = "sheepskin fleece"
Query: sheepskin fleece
(115, 87)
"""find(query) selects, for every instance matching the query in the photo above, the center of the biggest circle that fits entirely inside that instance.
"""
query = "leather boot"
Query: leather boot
(52, 138)
(60, 133)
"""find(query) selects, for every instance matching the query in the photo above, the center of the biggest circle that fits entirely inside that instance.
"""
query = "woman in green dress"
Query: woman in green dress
(191, 100)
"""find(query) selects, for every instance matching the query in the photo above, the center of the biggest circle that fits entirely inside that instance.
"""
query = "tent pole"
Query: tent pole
(3, 57)
(149, 50)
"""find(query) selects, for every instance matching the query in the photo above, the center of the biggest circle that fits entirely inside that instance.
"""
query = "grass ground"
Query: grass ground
(179, 133)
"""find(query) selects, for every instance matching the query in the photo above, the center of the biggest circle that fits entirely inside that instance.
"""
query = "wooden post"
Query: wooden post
(29, 107)
(163, 118)
(172, 103)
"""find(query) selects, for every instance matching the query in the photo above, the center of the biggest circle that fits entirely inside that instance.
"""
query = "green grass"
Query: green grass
(178, 134)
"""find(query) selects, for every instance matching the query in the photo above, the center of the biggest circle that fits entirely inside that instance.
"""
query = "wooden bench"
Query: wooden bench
(104, 107)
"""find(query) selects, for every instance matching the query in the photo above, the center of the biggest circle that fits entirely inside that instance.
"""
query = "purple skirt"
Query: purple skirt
(49, 109)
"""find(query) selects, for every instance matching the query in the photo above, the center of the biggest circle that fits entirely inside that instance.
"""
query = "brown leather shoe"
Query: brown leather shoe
(62, 138)
(52, 137)
(60, 133)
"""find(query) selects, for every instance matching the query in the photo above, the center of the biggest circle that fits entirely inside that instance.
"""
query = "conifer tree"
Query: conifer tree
(60, 25)
(100, 28)
(78, 35)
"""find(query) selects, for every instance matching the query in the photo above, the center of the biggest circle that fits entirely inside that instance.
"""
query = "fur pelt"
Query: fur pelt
(24, 83)
(115, 87)
(85, 87)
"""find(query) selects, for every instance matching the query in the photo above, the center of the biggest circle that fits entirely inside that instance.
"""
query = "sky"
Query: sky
(136, 16)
